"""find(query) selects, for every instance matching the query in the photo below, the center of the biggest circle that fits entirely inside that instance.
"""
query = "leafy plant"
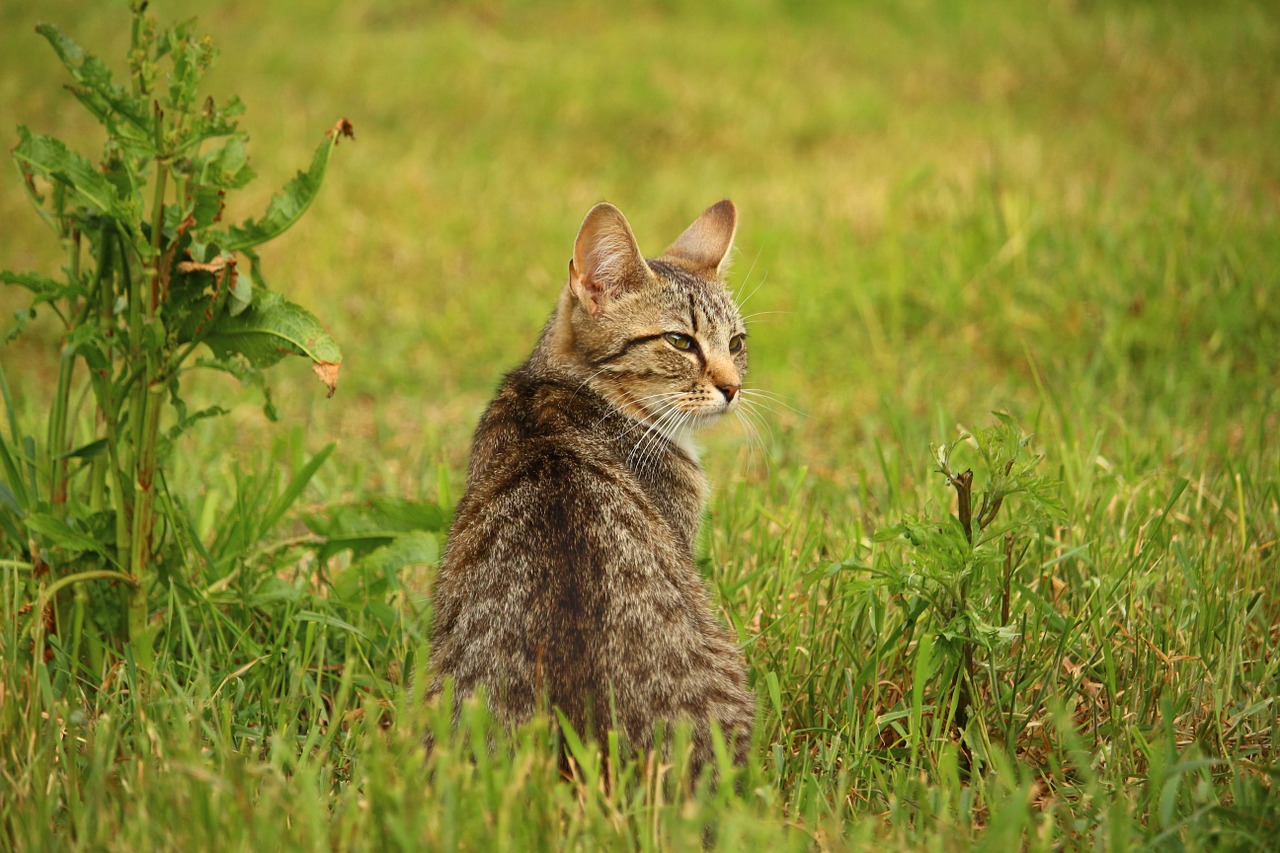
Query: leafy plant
(961, 570)
(154, 284)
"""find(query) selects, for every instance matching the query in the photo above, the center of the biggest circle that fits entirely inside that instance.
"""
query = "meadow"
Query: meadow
(1067, 213)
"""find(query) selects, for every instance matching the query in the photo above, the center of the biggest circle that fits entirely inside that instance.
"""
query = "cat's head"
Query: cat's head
(662, 339)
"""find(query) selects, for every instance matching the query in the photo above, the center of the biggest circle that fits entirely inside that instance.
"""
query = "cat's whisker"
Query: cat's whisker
(615, 400)
(749, 409)
(758, 426)
(765, 392)
(649, 423)
(761, 396)
(652, 454)
(654, 435)
(743, 302)
(759, 405)
(584, 382)
(754, 314)
(666, 430)
(754, 441)
(668, 403)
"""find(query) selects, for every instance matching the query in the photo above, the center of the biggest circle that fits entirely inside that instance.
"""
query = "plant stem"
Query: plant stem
(56, 446)
(101, 379)
(147, 403)
(963, 483)
(110, 401)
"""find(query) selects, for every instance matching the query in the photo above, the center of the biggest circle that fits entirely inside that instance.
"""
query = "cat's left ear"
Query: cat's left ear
(704, 246)
(606, 260)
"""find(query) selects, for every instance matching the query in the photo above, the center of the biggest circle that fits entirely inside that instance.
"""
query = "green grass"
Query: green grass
(1069, 212)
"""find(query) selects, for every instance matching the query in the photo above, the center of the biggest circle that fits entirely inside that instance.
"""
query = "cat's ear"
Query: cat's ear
(606, 260)
(704, 245)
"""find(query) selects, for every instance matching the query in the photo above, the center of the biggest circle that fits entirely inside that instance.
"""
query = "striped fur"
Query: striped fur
(569, 576)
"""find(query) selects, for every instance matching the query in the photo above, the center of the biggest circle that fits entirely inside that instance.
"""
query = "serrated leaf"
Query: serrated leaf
(22, 316)
(227, 166)
(97, 91)
(241, 295)
(207, 204)
(288, 205)
(275, 589)
(364, 527)
(45, 288)
(51, 158)
(272, 328)
(408, 549)
(57, 532)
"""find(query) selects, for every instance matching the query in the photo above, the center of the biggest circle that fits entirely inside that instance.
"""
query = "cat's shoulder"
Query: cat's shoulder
(531, 404)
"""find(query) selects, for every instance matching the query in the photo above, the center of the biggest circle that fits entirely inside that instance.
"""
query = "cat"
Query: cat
(569, 573)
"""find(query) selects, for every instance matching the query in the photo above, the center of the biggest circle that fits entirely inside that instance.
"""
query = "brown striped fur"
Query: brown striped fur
(569, 576)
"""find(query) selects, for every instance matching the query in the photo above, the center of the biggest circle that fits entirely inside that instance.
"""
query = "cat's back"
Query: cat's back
(554, 537)
(548, 476)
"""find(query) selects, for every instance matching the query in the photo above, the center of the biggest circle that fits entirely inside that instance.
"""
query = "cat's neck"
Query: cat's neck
(557, 352)
(558, 356)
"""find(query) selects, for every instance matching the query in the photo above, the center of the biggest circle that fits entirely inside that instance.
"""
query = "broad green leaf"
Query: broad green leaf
(408, 549)
(97, 91)
(275, 589)
(216, 122)
(87, 451)
(273, 328)
(58, 532)
(287, 206)
(226, 166)
(241, 296)
(51, 158)
(363, 527)
(206, 205)
(45, 288)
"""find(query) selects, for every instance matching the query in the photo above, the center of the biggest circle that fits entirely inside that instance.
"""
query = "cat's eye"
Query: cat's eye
(736, 343)
(684, 343)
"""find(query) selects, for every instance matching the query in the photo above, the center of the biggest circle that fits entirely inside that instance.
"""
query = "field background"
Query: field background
(1066, 211)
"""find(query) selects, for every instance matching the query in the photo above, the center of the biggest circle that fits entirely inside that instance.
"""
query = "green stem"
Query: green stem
(147, 403)
(97, 574)
(56, 445)
(101, 379)
(111, 400)
(144, 519)
(58, 463)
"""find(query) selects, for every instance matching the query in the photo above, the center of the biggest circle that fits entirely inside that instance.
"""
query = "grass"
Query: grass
(1066, 212)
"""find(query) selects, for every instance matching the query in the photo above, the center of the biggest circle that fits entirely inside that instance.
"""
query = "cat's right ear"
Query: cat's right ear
(606, 259)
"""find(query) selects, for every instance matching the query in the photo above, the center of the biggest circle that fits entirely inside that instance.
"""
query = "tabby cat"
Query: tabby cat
(569, 576)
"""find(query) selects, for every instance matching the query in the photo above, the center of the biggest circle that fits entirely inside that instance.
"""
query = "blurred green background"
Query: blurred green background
(1066, 209)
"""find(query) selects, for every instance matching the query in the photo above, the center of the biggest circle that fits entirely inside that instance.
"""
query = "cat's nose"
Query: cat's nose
(729, 391)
